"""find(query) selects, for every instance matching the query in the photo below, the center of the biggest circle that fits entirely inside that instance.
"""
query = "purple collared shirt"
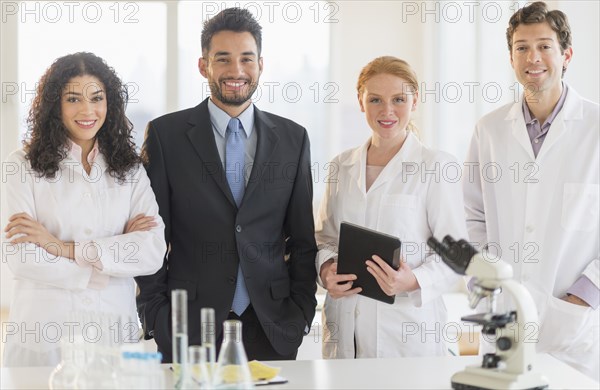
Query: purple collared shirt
(537, 133)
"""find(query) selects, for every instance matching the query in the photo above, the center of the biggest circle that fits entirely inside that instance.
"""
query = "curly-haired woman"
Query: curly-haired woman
(83, 220)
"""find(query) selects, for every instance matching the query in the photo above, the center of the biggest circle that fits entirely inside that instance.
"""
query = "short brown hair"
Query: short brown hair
(538, 13)
(231, 19)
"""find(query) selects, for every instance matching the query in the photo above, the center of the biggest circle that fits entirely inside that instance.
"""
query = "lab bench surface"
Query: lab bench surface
(393, 373)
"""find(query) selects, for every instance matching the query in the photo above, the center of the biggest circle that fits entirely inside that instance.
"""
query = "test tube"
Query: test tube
(207, 326)
(179, 322)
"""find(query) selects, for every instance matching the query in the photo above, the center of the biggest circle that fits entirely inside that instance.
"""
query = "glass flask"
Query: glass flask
(232, 370)
(197, 361)
(99, 371)
(65, 373)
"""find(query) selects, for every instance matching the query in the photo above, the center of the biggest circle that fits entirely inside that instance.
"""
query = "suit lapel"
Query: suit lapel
(202, 138)
(267, 140)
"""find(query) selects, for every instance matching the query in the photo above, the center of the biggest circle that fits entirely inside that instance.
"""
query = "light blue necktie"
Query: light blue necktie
(234, 171)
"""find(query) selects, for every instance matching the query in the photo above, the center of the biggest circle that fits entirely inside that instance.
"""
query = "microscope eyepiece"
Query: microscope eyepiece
(457, 255)
(449, 241)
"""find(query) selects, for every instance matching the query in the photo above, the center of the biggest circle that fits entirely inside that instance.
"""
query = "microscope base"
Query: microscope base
(475, 377)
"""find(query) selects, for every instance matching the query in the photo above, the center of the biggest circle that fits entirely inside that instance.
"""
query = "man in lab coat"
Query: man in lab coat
(532, 193)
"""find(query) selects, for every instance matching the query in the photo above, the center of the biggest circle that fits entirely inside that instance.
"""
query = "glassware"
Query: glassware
(179, 322)
(65, 373)
(199, 372)
(99, 371)
(141, 370)
(232, 370)
(207, 326)
(156, 375)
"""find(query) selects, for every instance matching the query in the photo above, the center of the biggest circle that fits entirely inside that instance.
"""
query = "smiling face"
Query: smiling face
(83, 109)
(387, 102)
(538, 59)
(232, 68)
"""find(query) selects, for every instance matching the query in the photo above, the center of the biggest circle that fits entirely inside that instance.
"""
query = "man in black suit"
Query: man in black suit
(255, 239)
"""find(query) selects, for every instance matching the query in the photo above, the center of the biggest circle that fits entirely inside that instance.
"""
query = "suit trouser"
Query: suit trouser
(256, 343)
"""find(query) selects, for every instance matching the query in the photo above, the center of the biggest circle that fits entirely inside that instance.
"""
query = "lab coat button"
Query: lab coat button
(238, 229)
(88, 231)
(86, 301)
(537, 141)
(87, 195)
(529, 228)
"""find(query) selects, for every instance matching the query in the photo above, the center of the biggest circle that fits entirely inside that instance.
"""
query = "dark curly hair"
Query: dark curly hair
(538, 13)
(47, 142)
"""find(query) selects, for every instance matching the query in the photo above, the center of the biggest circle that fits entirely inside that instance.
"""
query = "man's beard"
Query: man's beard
(235, 100)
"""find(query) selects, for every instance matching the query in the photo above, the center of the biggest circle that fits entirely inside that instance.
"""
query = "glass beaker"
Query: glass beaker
(232, 370)
(197, 361)
(65, 373)
(98, 371)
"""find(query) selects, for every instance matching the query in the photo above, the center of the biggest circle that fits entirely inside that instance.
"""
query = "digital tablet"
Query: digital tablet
(358, 244)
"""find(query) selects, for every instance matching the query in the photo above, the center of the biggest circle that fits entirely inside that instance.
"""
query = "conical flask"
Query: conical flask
(199, 373)
(232, 370)
(65, 374)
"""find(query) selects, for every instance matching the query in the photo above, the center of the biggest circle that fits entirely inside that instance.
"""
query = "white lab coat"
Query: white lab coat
(416, 196)
(47, 289)
(541, 216)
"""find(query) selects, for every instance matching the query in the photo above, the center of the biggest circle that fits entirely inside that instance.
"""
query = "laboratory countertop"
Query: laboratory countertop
(396, 373)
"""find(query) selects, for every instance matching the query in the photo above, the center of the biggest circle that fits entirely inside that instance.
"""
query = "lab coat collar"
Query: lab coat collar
(572, 110)
(409, 152)
(360, 154)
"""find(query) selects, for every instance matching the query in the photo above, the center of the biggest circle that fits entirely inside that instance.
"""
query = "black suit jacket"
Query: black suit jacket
(272, 232)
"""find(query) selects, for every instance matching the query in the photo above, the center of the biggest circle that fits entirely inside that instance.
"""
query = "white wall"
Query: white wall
(9, 131)
(366, 30)
(441, 48)
(446, 51)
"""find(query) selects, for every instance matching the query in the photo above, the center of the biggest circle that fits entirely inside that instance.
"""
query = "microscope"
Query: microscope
(513, 365)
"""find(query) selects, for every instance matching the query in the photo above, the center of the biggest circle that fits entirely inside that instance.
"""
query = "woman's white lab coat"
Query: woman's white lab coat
(91, 210)
(541, 216)
(416, 196)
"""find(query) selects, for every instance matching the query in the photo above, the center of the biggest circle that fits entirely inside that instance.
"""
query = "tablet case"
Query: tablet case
(358, 244)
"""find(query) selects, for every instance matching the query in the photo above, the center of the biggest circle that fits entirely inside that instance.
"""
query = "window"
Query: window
(295, 81)
(129, 36)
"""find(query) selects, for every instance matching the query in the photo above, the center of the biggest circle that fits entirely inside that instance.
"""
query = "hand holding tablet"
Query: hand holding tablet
(358, 244)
